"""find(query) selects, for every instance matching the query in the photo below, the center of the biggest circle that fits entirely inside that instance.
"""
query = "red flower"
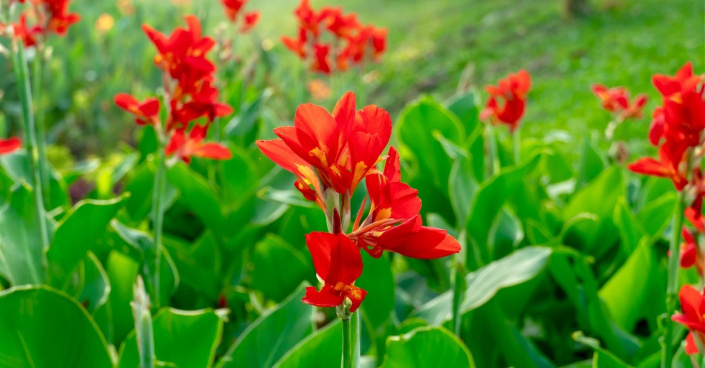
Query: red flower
(320, 63)
(297, 46)
(667, 166)
(634, 109)
(338, 262)
(185, 148)
(59, 17)
(379, 42)
(616, 100)
(507, 100)
(683, 105)
(690, 253)
(183, 53)
(693, 316)
(232, 8)
(28, 35)
(308, 18)
(395, 203)
(9, 145)
(341, 148)
(249, 21)
(146, 112)
(203, 103)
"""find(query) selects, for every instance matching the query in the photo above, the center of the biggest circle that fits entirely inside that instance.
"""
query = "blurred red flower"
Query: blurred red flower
(668, 165)
(146, 112)
(617, 101)
(693, 316)
(338, 263)
(9, 145)
(186, 147)
(507, 100)
(232, 11)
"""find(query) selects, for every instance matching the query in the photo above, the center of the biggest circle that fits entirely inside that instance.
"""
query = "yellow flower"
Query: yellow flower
(104, 23)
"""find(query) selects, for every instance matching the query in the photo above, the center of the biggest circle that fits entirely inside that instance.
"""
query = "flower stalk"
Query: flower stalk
(351, 336)
(21, 71)
(672, 283)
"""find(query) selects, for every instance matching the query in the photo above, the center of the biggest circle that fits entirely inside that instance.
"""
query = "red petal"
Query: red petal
(690, 299)
(344, 113)
(282, 155)
(391, 166)
(9, 145)
(648, 166)
(321, 245)
(327, 297)
(691, 347)
(377, 121)
(215, 151)
(125, 101)
(356, 296)
(315, 122)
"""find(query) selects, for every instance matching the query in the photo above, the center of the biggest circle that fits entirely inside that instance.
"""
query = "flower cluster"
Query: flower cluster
(332, 40)
(189, 94)
(52, 16)
(507, 100)
(232, 11)
(9, 145)
(677, 130)
(617, 101)
(330, 155)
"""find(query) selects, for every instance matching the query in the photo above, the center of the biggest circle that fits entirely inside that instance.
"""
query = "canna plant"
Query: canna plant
(330, 155)
(181, 121)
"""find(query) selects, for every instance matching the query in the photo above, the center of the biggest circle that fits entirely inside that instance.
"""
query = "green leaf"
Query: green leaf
(489, 199)
(241, 178)
(76, 235)
(630, 230)
(415, 129)
(466, 110)
(277, 268)
(378, 281)
(45, 328)
(89, 283)
(483, 284)
(266, 340)
(427, 347)
(637, 289)
(199, 196)
(656, 215)
(21, 253)
(322, 349)
(181, 339)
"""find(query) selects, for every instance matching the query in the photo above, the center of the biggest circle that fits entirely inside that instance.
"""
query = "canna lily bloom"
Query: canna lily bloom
(340, 148)
(693, 316)
(28, 35)
(507, 100)
(633, 109)
(184, 148)
(683, 105)
(691, 255)
(9, 145)
(298, 45)
(183, 53)
(379, 42)
(146, 112)
(395, 203)
(249, 21)
(320, 62)
(616, 100)
(667, 166)
(308, 18)
(203, 103)
(232, 8)
(338, 263)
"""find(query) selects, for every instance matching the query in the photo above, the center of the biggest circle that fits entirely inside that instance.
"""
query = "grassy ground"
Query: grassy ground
(432, 47)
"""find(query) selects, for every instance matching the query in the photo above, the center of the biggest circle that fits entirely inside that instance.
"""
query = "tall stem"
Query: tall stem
(158, 216)
(459, 263)
(351, 336)
(31, 141)
(672, 285)
(43, 167)
(516, 145)
(491, 139)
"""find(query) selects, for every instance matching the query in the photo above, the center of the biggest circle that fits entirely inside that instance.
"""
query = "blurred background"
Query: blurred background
(439, 48)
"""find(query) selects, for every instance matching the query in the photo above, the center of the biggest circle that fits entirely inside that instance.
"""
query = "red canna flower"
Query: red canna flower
(693, 316)
(617, 101)
(9, 145)
(184, 148)
(28, 35)
(633, 110)
(379, 42)
(507, 100)
(320, 63)
(308, 18)
(667, 166)
(691, 254)
(232, 8)
(249, 21)
(395, 203)
(146, 112)
(341, 148)
(203, 103)
(297, 46)
(338, 263)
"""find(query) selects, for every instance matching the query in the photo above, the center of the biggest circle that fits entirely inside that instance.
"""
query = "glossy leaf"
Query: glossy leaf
(427, 347)
(277, 268)
(322, 349)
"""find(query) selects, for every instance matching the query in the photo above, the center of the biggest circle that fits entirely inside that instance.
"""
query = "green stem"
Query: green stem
(516, 144)
(459, 261)
(491, 138)
(31, 141)
(355, 339)
(672, 285)
(39, 124)
(158, 217)
(347, 352)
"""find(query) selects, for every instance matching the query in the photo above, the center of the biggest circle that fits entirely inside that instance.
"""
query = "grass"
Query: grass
(433, 48)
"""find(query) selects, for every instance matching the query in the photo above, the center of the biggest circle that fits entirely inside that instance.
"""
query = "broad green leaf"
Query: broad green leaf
(277, 268)
(199, 264)
(656, 215)
(599, 197)
(427, 347)
(76, 235)
(241, 178)
(602, 357)
(415, 129)
(462, 187)
(45, 328)
(637, 289)
(322, 349)
(489, 199)
(89, 283)
(505, 235)
(630, 230)
(519, 267)
(198, 194)
(122, 272)
(465, 108)
(17, 168)
(378, 281)
(21, 253)
(181, 339)
(267, 339)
